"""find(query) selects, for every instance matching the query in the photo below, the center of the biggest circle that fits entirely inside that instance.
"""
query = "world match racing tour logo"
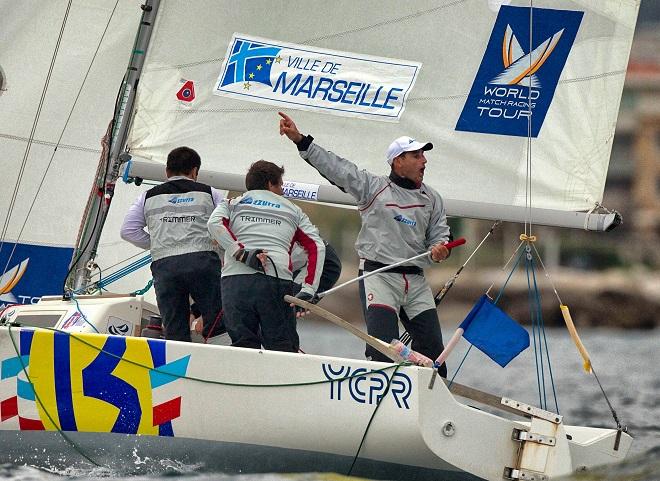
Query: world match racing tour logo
(9, 280)
(516, 81)
(31, 271)
(298, 76)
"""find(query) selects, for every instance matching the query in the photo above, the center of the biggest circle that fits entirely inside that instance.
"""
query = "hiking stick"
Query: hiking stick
(448, 245)
(380, 346)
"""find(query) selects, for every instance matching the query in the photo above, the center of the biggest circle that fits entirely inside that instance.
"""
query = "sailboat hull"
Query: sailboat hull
(135, 403)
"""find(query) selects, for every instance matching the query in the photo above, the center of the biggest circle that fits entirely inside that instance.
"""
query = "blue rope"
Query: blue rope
(545, 339)
(73, 297)
(540, 381)
(499, 294)
(140, 292)
(460, 365)
(128, 269)
(124, 271)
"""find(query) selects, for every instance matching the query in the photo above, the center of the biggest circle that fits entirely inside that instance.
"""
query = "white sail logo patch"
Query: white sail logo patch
(520, 68)
(309, 78)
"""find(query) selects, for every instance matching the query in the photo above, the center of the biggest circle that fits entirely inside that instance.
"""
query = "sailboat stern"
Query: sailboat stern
(493, 447)
(591, 447)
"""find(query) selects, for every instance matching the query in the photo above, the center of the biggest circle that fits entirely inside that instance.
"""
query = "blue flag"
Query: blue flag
(493, 332)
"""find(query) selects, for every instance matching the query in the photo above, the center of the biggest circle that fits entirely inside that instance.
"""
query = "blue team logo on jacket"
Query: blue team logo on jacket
(265, 203)
(516, 81)
(181, 200)
(405, 220)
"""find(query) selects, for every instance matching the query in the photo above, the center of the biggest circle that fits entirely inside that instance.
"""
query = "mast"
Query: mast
(98, 204)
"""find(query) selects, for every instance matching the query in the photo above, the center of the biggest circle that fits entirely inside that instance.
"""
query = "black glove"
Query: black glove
(306, 296)
(250, 259)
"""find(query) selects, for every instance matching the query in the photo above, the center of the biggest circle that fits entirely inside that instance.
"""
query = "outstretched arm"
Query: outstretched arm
(339, 171)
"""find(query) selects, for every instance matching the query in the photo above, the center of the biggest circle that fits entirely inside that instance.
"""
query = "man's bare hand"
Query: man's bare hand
(439, 252)
(288, 128)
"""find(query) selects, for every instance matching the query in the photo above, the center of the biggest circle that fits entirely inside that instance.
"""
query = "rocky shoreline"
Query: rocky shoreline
(614, 299)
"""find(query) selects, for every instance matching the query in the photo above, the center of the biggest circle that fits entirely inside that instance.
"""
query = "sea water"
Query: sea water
(627, 364)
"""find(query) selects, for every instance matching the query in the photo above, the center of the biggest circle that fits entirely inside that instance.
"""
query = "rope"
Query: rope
(620, 428)
(141, 292)
(373, 415)
(405, 337)
(73, 298)
(124, 271)
(545, 339)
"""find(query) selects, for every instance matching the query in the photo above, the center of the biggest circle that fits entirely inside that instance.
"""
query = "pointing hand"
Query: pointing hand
(288, 128)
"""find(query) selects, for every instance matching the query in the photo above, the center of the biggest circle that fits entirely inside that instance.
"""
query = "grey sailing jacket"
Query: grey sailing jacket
(260, 219)
(397, 223)
(175, 214)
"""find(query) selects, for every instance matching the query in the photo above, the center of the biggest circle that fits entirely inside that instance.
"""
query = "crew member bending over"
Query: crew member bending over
(257, 232)
(185, 261)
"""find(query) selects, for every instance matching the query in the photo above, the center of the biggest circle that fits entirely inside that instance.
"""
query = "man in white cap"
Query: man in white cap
(401, 218)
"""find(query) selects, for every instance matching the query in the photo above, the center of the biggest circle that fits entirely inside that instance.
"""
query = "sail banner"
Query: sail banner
(25, 266)
(320, 80)
(475, 55)
(516, 82)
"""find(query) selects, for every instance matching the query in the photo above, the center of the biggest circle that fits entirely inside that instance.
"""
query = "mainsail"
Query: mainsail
(470, 97)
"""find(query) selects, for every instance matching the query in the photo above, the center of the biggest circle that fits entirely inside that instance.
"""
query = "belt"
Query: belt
(373, 265)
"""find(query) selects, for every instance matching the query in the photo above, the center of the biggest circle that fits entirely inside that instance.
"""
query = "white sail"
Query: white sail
(478, 157)
(54, 183)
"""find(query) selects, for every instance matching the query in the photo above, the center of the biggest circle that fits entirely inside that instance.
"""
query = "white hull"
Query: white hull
(244, 410)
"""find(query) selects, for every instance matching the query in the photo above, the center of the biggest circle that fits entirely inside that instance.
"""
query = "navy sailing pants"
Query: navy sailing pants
(256, 314)
(176, 278)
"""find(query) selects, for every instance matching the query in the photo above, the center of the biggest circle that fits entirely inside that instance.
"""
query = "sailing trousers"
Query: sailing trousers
(176, 280)
(392, 296)
(256, 314)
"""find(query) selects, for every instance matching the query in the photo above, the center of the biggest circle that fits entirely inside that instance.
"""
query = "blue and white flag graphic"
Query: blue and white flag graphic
(250, 61)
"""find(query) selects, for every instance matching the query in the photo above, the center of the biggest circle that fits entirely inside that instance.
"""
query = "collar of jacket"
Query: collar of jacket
(403, 182)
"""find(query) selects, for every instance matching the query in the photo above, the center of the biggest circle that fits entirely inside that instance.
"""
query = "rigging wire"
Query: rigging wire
(528, 224)
(405, 335)
(528, 178)
(620, 428)
(118, 112)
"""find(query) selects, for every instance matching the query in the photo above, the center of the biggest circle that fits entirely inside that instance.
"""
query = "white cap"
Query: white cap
(405, 144)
